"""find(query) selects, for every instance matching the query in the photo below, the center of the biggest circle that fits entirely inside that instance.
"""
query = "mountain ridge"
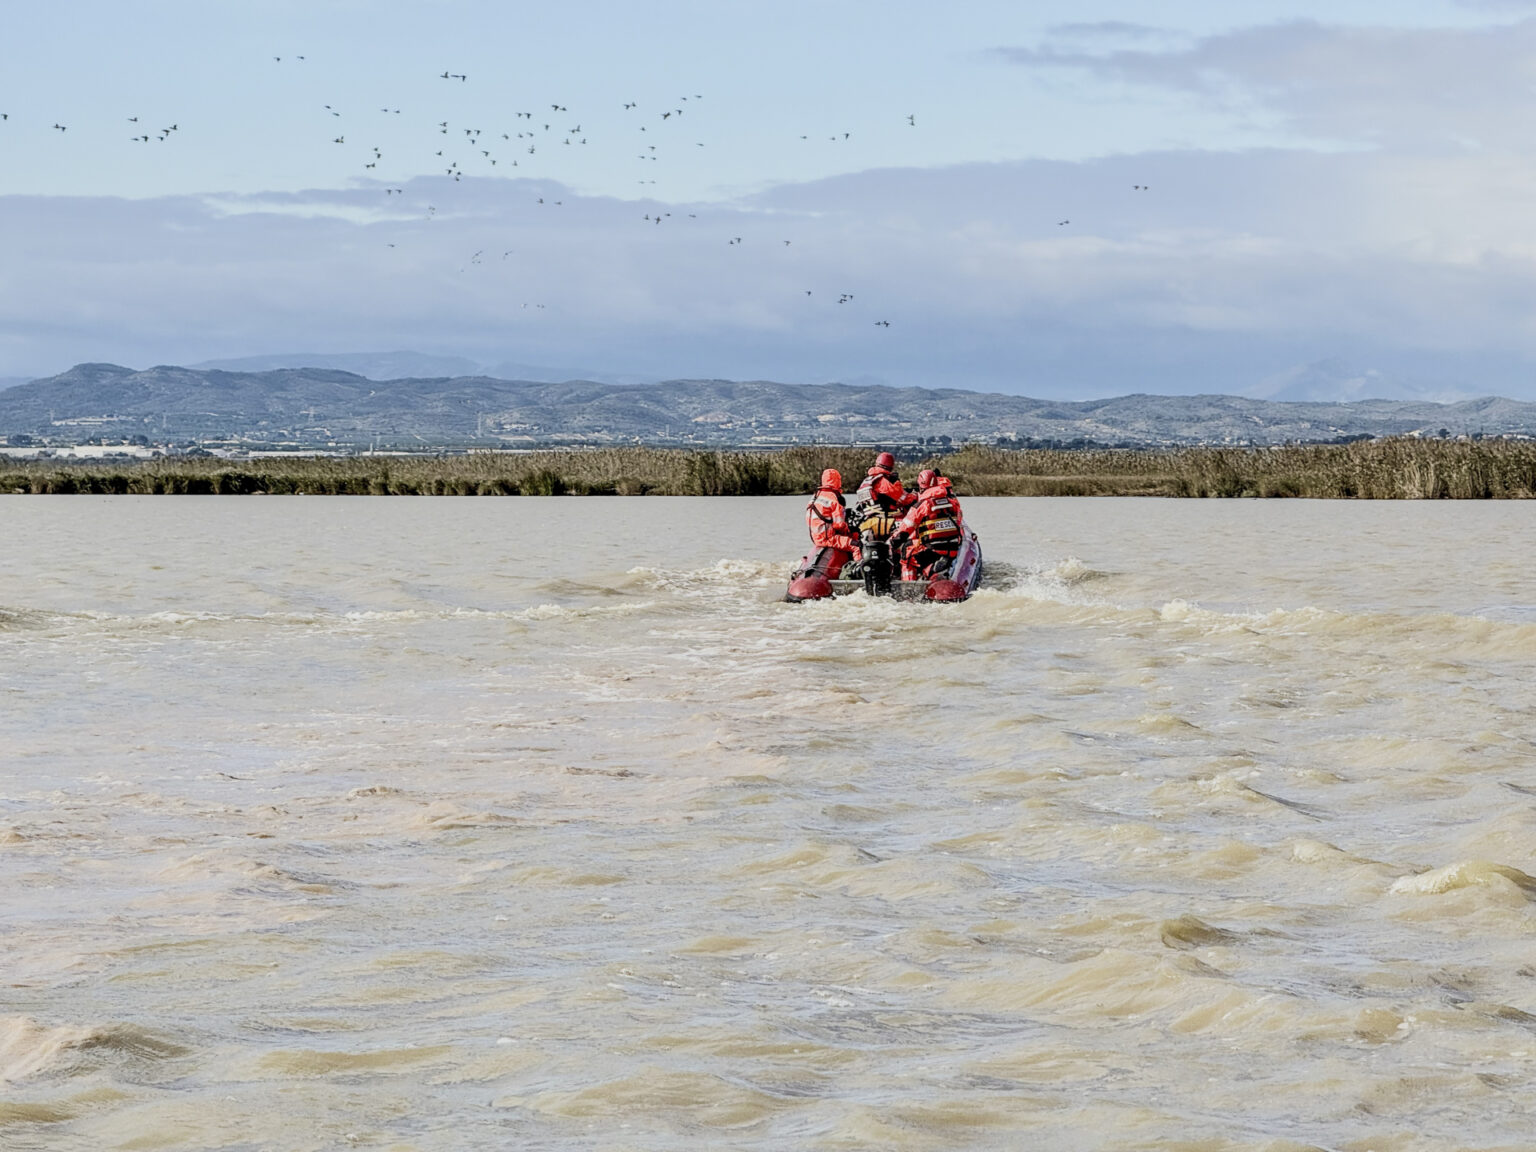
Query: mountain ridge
(307, 406)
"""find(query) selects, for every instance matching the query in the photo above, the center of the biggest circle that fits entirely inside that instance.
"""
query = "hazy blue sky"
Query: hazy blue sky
(1336, 195)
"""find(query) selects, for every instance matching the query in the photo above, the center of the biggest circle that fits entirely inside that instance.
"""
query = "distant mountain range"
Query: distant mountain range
(304, 407)
(421, 365)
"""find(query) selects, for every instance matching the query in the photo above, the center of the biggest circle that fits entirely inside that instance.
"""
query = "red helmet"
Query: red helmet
(925, 477)
(885, 460)
(832, 478)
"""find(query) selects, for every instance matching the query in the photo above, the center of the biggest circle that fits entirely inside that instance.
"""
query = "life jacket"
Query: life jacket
(935, 520)
(827, 519)
(880, 487)
(939, 529)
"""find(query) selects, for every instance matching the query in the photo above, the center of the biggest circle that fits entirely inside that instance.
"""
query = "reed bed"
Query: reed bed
(1403, 468)
(1397, 469)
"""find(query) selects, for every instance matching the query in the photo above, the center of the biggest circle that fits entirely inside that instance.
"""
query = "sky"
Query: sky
(1071, 200)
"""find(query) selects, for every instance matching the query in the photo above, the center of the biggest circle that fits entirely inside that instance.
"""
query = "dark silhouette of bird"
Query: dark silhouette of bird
(61, 127)
(444, 76)
(1060, 223)
(912, 120)
(339, 140)
(882, 323)
(133, 119)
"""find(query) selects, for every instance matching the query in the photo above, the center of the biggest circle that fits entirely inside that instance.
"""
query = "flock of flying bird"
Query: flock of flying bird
(528, 133)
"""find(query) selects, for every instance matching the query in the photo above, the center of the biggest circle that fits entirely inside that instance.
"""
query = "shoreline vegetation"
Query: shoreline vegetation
(1392, 469)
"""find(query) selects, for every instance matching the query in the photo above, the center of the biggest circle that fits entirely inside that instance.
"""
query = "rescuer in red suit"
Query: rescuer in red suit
(827, 518)
(882, 486)
(931, 529)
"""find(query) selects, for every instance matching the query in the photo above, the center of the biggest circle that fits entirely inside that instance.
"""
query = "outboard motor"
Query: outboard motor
(877, 565)
(875, 527)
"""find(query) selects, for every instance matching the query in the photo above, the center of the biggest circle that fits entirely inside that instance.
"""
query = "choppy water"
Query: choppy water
(473, 824)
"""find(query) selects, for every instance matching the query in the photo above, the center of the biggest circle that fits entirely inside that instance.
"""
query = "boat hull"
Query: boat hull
(962, 579)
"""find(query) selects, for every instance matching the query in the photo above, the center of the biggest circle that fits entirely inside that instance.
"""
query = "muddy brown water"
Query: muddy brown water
(474, 824)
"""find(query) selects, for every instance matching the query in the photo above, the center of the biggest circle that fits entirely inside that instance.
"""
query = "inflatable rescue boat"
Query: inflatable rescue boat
(878, 571)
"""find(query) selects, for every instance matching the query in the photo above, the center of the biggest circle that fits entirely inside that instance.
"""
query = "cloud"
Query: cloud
(1403, 88)
(1107, 30)
(1230, 269)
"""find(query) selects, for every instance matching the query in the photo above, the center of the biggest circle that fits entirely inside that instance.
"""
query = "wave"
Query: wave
(1464, 874)
(167, 621)
(29, 1049)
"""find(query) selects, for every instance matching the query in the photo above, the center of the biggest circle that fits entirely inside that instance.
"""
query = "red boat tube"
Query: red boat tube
(812, 587)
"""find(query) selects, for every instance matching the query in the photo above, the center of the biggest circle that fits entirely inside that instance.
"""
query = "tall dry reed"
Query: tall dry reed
(1399, 469)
